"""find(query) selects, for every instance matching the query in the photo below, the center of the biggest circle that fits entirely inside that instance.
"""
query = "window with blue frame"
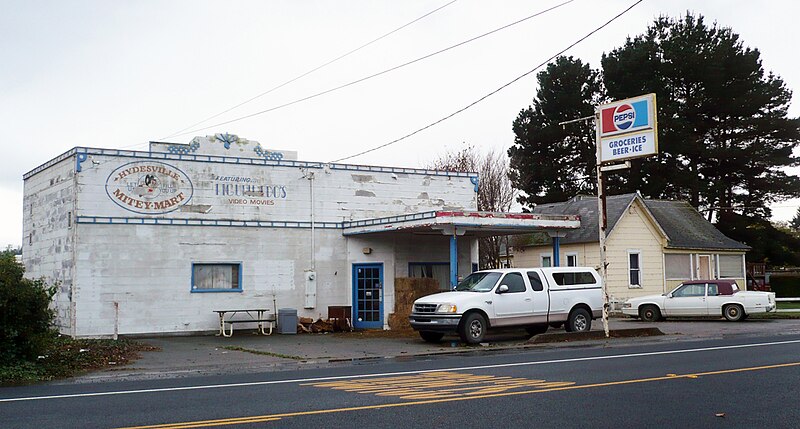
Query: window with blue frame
(433, 270)
(217, 277)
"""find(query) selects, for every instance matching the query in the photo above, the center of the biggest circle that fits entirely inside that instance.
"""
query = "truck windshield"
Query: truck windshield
(479, 282)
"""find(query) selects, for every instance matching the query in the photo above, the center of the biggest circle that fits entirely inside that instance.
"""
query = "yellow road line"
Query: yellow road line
(273, 417)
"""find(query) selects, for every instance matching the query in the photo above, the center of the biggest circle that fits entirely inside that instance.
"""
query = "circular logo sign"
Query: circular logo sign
(624, 116)
(149, 187)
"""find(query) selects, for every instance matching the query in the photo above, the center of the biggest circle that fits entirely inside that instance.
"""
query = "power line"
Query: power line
(351, 83)
(495, 91)
(177, 133)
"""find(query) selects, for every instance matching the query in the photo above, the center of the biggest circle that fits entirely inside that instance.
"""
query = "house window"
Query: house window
(440, 271)
(634, 269)
(572, 259)
(217, 277)
(731, 266)
(678, 267)
(546, 260)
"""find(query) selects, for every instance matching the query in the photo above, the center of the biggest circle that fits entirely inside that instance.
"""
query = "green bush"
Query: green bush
(26, 319)
(785, 287)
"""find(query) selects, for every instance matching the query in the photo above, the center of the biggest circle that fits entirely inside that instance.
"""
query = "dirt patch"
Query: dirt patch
(595, 335)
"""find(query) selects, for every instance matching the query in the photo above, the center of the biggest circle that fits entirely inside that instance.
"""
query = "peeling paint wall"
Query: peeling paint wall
(48, 231)
(139, 223)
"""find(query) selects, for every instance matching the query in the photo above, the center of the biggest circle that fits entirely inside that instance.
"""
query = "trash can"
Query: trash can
(287, 321)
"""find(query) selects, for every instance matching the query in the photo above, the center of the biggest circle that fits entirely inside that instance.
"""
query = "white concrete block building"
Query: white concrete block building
(155, 241)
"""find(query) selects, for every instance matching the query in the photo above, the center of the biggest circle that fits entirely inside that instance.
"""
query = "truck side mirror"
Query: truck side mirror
(502, 289)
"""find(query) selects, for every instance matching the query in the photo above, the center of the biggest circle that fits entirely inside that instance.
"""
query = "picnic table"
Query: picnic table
(253, 315)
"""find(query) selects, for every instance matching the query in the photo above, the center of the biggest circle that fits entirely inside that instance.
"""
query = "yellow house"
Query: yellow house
(651, 246)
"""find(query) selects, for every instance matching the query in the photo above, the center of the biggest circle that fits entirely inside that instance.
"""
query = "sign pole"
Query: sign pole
(602, 223)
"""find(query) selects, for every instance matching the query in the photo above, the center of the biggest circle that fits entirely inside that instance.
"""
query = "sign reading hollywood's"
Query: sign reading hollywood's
(149, 187)
(628, 129)
(244, 190)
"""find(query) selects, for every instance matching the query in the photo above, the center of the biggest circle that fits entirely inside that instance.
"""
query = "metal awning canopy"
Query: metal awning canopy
(467, 223)
(464, 223)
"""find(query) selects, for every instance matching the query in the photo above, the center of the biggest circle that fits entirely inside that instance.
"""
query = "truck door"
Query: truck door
(516, 302)
(541, 300)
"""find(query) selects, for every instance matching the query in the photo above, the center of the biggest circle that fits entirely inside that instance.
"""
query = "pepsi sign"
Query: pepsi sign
(627, 129)
(627, 116)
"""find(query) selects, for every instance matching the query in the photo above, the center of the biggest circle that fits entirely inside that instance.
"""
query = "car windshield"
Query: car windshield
(479, 282)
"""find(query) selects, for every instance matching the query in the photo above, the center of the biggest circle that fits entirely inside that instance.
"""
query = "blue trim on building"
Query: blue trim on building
(367, 324)
(389, 219)
(400, 170)
(79, 160)
(235, 160)
(556, 252)
(50, 163)
(453, 261)
(105, 220)
(193, 290)
(475, 180)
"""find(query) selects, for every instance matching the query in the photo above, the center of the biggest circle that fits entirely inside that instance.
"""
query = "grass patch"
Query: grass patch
(67, 357)
(789, 306)
(792, 315)
(263, 353)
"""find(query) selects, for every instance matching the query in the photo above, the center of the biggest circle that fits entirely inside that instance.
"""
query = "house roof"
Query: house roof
(683, 226)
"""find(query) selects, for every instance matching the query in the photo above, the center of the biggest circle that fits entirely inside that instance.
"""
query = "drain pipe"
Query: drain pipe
(313, 251)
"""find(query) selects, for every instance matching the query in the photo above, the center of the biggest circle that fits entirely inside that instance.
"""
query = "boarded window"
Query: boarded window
(440, 271)
(215, 277)
(731, 266)
(678, 267)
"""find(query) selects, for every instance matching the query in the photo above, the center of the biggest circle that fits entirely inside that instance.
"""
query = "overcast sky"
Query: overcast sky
(117, 74)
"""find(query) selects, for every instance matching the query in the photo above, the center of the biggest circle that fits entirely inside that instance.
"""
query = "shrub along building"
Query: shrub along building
(155, 241)
(652, 245)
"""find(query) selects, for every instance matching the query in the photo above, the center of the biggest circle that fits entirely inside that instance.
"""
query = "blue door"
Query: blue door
(368, 295)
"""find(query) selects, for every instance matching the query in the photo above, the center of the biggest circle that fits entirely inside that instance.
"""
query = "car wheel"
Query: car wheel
(649, 313)
(536, 329)
(431, 337)
(473, 328)
(579, 321)
(733, 312)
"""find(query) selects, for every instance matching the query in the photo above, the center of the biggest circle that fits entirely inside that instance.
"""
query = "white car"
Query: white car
(701, 298)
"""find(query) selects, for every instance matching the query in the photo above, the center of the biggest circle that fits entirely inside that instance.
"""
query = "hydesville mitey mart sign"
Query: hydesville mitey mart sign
(628, 129)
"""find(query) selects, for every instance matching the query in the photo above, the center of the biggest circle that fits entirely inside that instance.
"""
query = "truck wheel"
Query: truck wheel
(536, 329)
(473, 328)
(733, 312)
(579, 321)
(649, 313)
(431, 337)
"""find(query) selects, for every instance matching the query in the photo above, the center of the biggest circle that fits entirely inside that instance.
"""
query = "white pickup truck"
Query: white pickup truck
(533, 298)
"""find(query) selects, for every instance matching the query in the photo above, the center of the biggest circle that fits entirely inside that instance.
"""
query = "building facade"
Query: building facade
(155, 241)
(651, 247)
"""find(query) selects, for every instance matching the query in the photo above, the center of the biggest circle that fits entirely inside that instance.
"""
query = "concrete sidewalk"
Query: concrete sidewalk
(247, 352)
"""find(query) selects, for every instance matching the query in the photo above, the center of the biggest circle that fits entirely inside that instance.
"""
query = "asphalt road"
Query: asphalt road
(740, 382)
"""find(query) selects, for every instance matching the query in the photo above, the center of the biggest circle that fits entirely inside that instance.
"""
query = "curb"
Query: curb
(595, 335)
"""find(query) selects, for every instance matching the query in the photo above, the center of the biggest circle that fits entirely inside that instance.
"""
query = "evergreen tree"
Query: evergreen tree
(795, 222)
(551, 162)
(724, 134)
